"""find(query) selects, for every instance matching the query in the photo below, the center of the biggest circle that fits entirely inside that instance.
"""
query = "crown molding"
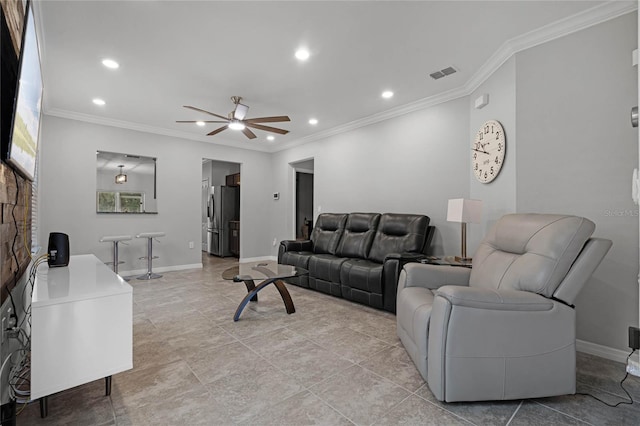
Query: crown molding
(376, 118)
(88, 118)
(563, 27)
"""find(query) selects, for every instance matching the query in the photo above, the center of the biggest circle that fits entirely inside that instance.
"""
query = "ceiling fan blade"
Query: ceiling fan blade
(206, 112)
(266, 128)
(268, 119)
(199, 121)
(216, 131)
(248, 133)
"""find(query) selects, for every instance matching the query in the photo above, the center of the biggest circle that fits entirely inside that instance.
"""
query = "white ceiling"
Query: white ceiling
(200, 53)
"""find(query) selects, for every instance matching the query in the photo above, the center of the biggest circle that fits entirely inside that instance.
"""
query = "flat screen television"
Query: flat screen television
(25, 122)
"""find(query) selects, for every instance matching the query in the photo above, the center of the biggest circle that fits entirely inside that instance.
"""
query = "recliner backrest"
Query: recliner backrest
(530, 252)
(358, 235)
(590, 257)
(399, 233)
(327, 232)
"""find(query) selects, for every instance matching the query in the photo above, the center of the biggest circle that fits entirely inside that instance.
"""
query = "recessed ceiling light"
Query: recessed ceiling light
(313, 121)
(302, 54)
(200, 123)
(271, 138)
(387, 94)
(99, 101)
(110, 63)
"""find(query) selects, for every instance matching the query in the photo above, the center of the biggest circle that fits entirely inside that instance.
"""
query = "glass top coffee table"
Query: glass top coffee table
(269, 273)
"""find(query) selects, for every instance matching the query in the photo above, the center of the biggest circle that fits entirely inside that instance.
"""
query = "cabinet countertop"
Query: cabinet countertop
(85, 277)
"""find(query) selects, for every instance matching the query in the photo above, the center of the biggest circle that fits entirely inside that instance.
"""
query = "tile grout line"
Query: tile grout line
(514, 413)
(562, 413)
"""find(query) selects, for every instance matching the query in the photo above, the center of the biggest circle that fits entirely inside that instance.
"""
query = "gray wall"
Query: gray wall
(576, 152)
(68, 184)
(499, 196)
(409, 164)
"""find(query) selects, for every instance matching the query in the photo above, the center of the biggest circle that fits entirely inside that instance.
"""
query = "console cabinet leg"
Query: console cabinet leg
(107, 385)
(44, 406)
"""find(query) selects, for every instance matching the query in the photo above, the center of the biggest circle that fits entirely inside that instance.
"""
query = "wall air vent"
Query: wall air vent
(442, 73)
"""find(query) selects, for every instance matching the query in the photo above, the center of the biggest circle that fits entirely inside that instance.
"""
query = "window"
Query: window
(120, 202)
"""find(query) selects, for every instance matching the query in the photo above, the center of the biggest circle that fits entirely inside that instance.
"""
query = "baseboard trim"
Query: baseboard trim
(257, 259)
(160, 269)
(633, 368)
(602, 351)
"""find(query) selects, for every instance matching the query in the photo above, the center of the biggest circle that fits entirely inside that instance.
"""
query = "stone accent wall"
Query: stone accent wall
(15, 228)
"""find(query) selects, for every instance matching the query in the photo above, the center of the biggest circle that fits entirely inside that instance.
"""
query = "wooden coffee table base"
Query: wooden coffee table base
(252, 295)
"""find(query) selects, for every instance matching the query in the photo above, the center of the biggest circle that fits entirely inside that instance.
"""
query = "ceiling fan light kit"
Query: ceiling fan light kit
(236, 125)
(236, 120)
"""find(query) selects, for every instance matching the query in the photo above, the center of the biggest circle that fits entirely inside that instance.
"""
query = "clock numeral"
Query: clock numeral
(476, 166)
(480, 135)
(485, 175)
(491, 170)
(497, 135)
(499, 147)
(497, 160)
(475, 155)
(486, 129)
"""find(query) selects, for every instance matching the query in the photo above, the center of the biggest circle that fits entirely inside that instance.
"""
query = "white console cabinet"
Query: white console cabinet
(81, 327)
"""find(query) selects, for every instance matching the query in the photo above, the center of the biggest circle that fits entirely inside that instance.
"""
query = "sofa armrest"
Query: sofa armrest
(294, 245)
(497, 300)
(391, 268)
(434, 276)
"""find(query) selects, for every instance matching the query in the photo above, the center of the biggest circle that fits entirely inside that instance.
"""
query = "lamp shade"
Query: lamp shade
(465, 211)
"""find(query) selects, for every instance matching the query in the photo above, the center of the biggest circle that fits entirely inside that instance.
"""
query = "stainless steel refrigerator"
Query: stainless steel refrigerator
(223, 206)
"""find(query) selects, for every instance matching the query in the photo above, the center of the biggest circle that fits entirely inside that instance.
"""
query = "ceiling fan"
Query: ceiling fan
(236, 120)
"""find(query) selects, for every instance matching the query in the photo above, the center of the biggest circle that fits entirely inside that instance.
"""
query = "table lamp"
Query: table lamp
(464, 211)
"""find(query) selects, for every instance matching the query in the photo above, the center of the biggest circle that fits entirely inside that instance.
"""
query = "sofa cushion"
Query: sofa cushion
(529, 252)
(325, 267)
(362, 274)
(358, 235)
(327, 232)
(399, 233)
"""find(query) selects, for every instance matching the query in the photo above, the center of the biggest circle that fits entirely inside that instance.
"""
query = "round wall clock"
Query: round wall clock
(487, 151)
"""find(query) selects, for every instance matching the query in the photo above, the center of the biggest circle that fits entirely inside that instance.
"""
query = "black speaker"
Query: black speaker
(58, 249)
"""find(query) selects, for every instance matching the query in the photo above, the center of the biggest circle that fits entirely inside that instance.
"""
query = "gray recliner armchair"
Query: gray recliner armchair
(504, 329)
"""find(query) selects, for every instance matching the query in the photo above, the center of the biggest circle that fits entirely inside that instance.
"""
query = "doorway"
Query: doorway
(220, 208)
(303, 194)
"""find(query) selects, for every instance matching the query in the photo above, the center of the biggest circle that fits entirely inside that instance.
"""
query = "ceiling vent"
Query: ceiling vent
(442, 73)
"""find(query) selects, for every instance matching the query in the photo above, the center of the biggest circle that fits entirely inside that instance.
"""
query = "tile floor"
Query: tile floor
(332, 362)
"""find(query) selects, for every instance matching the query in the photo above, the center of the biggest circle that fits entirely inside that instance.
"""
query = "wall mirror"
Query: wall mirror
(125, 183)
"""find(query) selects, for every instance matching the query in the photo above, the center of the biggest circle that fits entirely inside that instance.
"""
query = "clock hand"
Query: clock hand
(482, 151)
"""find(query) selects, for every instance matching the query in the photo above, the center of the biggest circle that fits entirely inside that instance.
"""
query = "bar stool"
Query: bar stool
(115, 239)
(150, 236)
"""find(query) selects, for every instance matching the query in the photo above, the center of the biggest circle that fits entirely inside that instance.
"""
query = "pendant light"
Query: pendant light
(121, 177)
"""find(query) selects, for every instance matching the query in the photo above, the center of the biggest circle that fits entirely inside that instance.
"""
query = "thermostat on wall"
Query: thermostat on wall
(276, 195)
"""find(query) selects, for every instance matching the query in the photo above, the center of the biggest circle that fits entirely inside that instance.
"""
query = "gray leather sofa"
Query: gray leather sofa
(504, 329)
(358, 256)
